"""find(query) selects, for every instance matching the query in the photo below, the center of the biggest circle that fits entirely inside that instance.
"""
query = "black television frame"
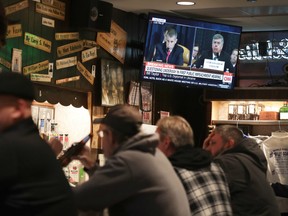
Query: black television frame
(190, 32)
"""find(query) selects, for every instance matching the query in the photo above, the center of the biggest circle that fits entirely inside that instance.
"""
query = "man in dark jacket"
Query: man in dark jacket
(137, 179)
(204, 181)
(32, 182)
(216, 53)
(245, 167)
(168, 51)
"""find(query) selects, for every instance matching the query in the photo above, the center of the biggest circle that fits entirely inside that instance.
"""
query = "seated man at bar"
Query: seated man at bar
(137, 179)
(245, 167)
(32, 181)
(204, 181)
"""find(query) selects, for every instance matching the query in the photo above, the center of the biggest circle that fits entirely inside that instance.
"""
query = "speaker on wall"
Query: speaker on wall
(92, 15)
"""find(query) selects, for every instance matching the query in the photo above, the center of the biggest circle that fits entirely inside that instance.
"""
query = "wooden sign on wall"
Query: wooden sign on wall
(35, 67)
(16, 7)
(81, 68)
(114, 42)
(50, 11)
(37, 42)
(69, 48)
(14, 31)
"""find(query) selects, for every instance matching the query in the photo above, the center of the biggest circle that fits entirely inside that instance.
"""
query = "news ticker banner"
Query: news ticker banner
(168, 71)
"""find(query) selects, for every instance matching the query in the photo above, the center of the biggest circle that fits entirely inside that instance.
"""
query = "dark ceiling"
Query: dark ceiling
(262, 15)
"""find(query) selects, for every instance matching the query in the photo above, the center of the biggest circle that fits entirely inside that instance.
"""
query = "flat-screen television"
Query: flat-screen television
(190, 52)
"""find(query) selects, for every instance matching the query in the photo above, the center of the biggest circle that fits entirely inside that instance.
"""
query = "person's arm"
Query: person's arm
(9, 167)
(85, 157)
(108, 185)
(228, 64)
(56, 145)
(200, 61)
(206, 142)
(180, 60)
(158, 56)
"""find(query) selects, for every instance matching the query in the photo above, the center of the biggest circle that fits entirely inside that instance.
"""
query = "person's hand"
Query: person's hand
(206, 142)
(85, 157)
(56, 145)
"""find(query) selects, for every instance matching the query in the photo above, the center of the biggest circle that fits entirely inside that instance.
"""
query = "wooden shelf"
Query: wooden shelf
(253, 93)
(254, 127)
(251, 122)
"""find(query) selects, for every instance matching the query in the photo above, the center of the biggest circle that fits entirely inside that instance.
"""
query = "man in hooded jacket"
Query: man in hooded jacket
(204, 181)
(137, 179)
(245, 167)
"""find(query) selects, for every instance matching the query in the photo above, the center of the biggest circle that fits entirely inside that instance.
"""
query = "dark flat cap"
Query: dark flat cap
(123, 118)
(16, 84)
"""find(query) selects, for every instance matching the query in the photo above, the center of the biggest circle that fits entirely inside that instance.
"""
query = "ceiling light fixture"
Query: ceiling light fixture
(185, 3)
(252, 1)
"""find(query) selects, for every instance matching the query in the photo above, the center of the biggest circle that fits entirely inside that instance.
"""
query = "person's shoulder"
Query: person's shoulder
(225, 54)
(179, 48)
(227, 160)
(159, 45)
(206, 53)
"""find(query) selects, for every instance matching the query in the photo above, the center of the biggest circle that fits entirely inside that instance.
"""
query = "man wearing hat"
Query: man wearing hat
(137, 179)
(32, 181)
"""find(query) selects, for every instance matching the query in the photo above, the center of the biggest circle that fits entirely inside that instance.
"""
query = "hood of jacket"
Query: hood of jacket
(251, 149)
(140, 142)
(190, 158)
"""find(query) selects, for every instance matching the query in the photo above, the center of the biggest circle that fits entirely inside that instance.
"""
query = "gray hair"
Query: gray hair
(228, 132)
(171, 32)
(177, 128)
(218, 36)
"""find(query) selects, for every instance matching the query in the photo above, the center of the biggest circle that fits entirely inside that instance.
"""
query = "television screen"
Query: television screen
(190, 52)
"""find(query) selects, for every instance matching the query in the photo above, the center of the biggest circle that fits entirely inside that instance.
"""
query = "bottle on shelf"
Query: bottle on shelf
(232, 111)
(82, 177)
(260, 107)
(74, 172)
(66, 157)
(61, 137)
(241, 111)
(42, 125)
(252, 111)
(53, 131)
(66, 141)
(47, 127)
(283, 111)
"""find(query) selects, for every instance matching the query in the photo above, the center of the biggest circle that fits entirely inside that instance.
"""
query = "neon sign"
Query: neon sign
(274, 50)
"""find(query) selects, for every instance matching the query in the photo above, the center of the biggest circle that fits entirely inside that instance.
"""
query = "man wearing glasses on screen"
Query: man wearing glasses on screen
(217, 55)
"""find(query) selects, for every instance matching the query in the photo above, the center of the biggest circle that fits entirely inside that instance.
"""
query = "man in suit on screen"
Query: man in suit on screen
(169, 51)
(216, 53)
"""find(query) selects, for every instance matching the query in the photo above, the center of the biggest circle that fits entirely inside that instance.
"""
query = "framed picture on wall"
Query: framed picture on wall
(112, 83)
